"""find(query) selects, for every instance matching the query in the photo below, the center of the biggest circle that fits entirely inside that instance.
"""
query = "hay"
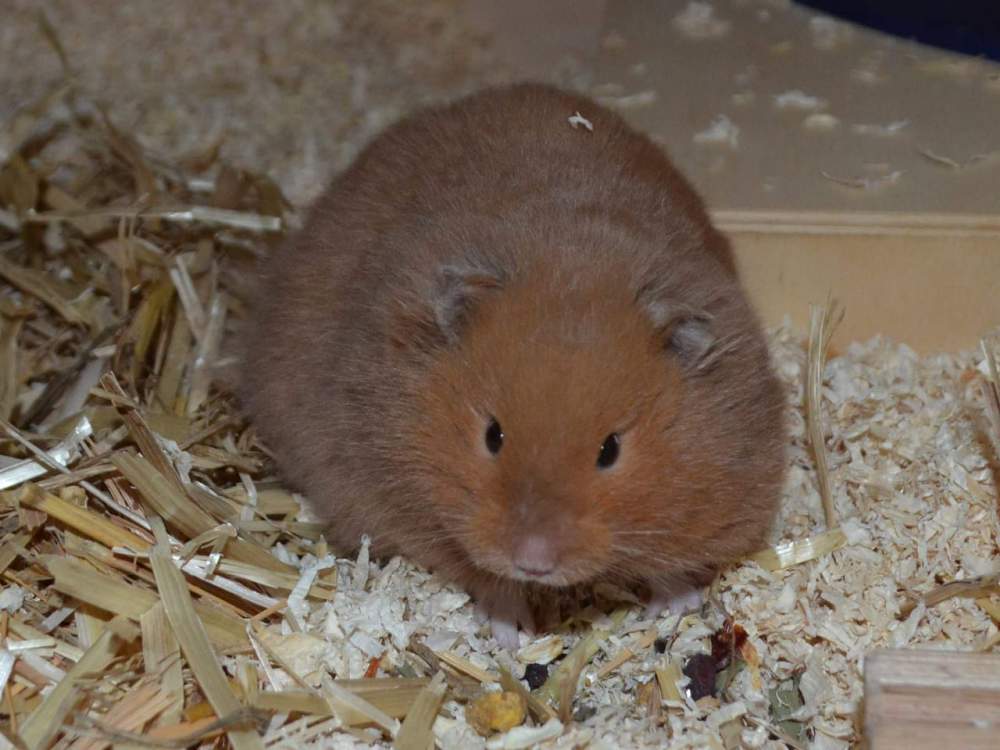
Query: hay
(161, 588)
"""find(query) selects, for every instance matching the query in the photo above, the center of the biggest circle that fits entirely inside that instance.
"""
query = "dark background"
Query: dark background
(968, 26)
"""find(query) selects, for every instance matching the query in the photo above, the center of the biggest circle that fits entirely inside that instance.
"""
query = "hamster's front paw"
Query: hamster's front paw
(679, 598)
(506, 609)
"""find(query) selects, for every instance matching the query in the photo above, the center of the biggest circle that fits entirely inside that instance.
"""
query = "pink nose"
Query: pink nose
(535, 556)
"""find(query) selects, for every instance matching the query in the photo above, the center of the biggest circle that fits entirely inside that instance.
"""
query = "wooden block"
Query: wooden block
(924, 700)
(932, 286)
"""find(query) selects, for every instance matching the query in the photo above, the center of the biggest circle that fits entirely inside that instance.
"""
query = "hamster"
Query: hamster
(509, 345)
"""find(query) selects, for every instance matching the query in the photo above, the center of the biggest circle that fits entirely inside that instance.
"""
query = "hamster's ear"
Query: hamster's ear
(436, 315)
(687, 333)
(459, 290)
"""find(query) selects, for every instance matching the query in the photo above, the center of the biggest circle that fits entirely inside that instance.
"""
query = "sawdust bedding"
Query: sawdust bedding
(121, 453)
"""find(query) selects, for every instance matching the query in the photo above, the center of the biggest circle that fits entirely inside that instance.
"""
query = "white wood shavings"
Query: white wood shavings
(726, 713)
(361, 566)
(828, 33)
(951, 66)
(7, 659)
(821, 122)
(866, 183)
(798, 100)
(455, 733)
(303, 653)
(722, 131)
(55, 619)
(11, 599)
(9, 220)
(698, 21)
(887, 130)
(297, 606)
(519, 738)
(613, 41)
(577, 120)
(947, 161)
(629, 101)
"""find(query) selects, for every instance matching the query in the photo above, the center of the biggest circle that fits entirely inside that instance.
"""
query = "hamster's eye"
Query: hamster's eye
(610, 449)
(494, 437)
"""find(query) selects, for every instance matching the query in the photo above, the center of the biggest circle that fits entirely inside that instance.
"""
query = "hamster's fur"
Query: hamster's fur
(515, 350)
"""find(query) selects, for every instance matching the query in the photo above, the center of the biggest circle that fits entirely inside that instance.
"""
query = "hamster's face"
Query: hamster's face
(555, 446)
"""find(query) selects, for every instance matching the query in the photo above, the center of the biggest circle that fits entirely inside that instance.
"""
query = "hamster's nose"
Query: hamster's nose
(535, 556)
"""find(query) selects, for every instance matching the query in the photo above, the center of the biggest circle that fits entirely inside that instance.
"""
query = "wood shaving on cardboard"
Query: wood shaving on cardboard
(876, 182)
(629, 101)
(829, 34)
(722, 131)
(798, 100)
(887, 130)
(947, 161)
(698, 21)
(821, 122)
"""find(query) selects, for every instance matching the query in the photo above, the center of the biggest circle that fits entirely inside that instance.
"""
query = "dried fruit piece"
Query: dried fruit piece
(536, 675)
(496, 712)
(701, 668)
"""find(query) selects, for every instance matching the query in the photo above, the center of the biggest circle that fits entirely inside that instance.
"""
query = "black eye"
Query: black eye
(609, 451)
(494, 437)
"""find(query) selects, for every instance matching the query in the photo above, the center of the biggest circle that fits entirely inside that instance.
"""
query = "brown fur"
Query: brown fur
(487, 259)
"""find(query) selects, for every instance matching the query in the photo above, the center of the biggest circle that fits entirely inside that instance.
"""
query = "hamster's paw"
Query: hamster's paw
(680, 599)
(505, 610)
(505, 633)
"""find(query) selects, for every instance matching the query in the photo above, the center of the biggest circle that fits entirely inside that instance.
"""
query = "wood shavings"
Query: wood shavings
(950, 66)
(577, 120)
(947, 161)
(821, 122)
(525, 737)
(629, 101)
(698, 21)
(887, 130)
(722, 131)
(613, 41)
(866, 183)
(641, 643)
(869, 71)
(798, 100)
(829, 34)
